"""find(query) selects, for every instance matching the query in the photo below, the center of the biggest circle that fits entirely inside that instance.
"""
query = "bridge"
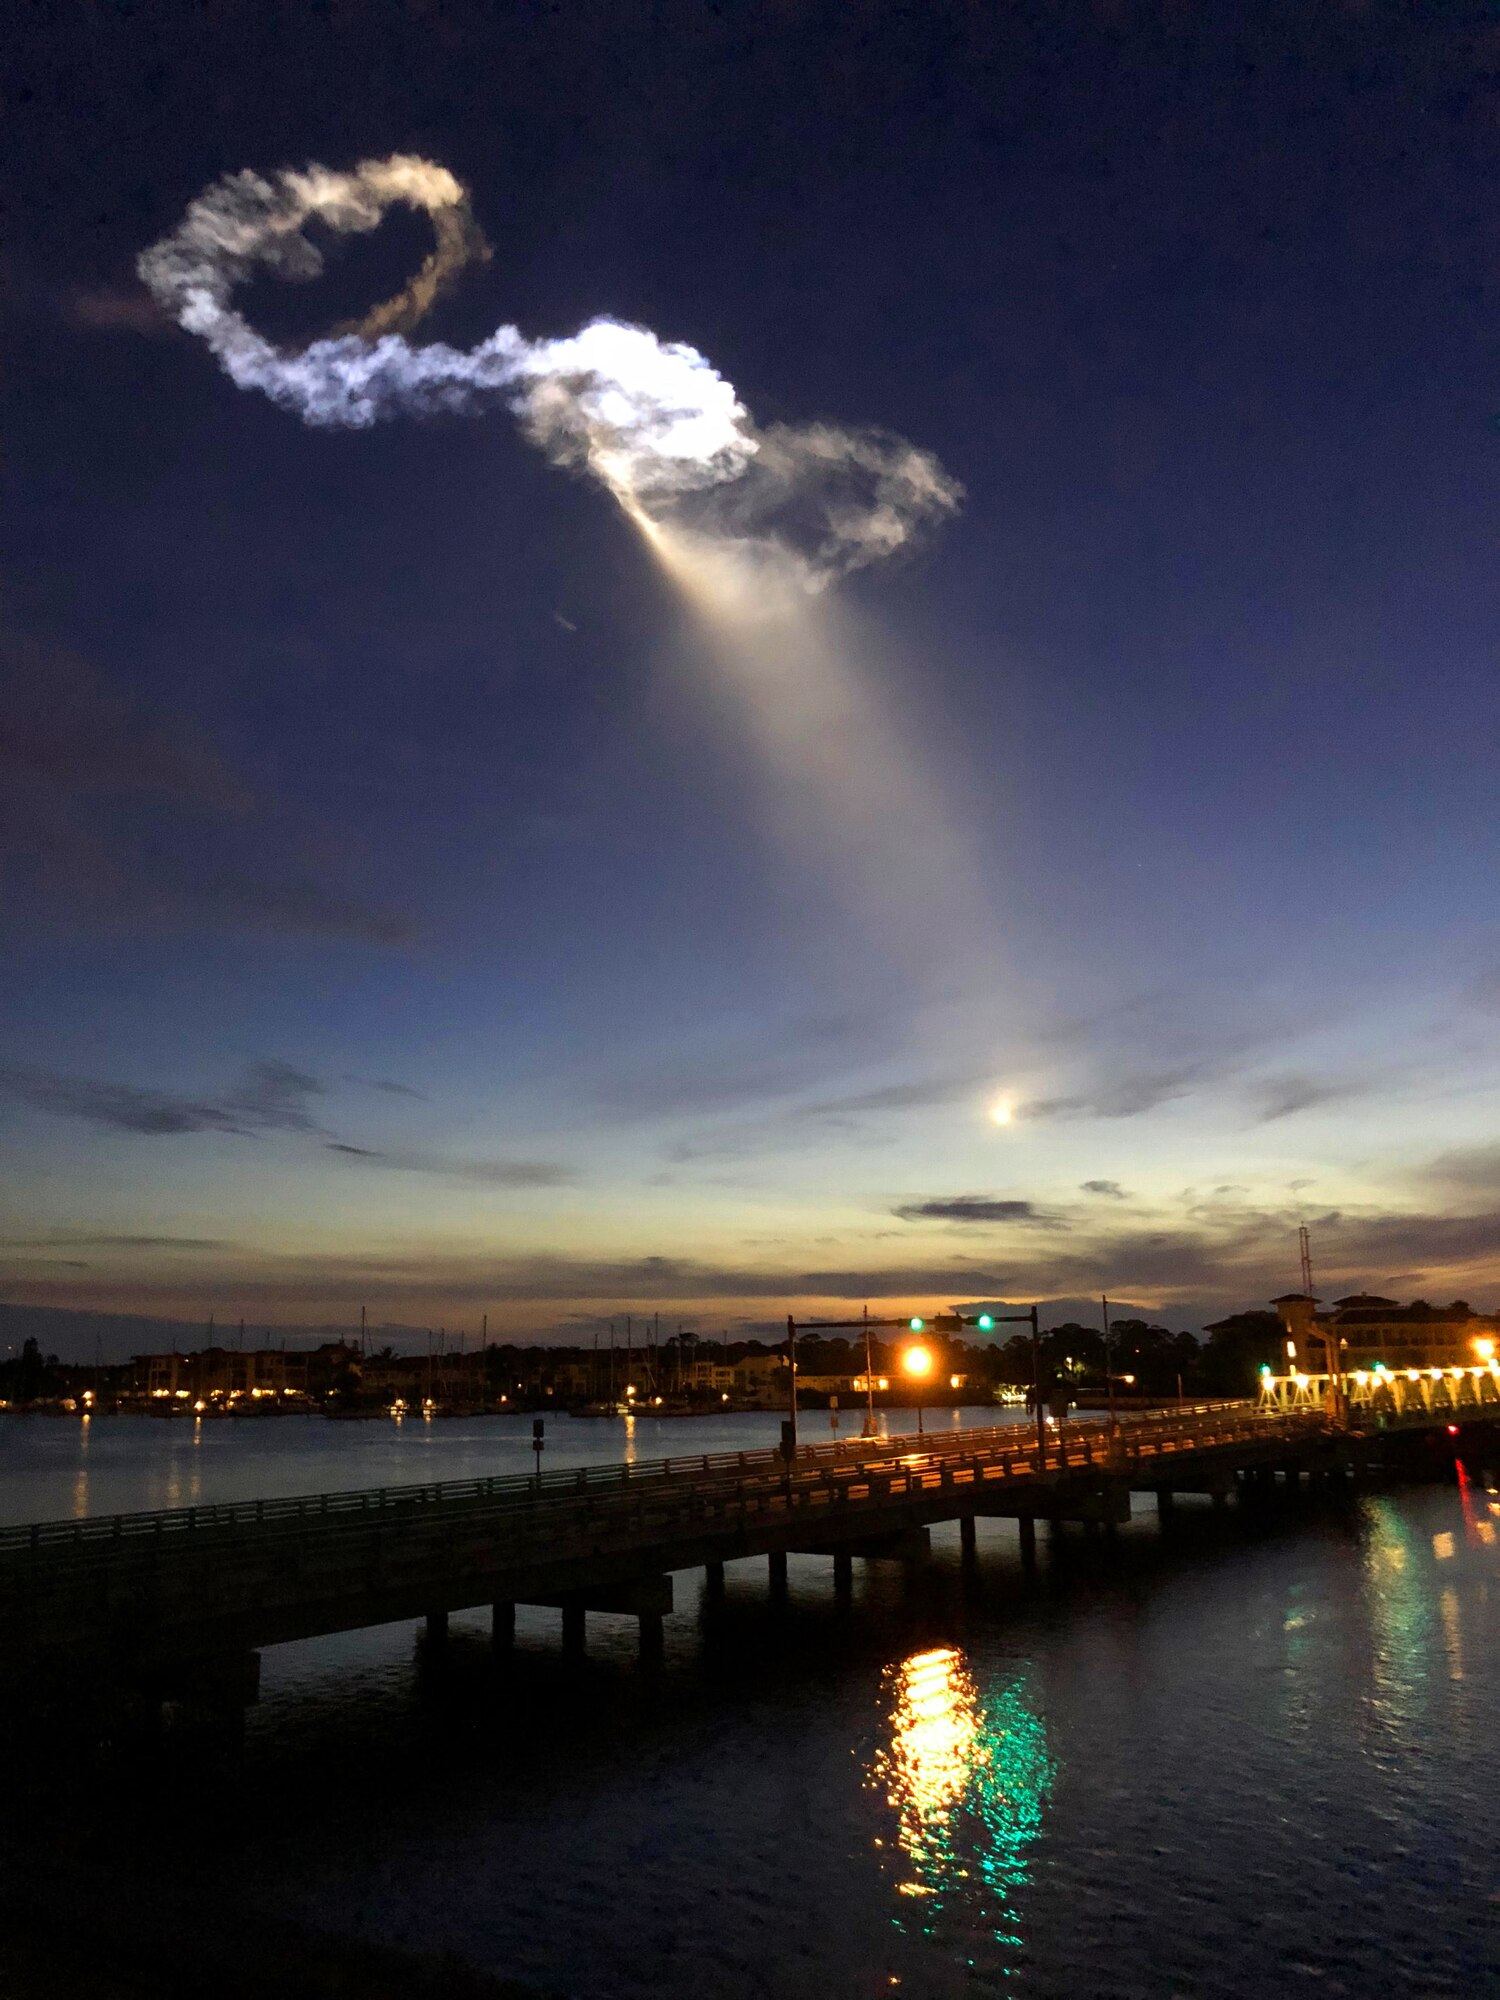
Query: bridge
(135, 1609)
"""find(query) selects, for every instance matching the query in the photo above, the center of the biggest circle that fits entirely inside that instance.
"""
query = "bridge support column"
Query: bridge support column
(502, 1627)
(968, 1541)
(1026, 1527)
(776, 1564)
(843, 1576)
(437, 1628)
(1292, 1475)
(1165, 1501)
(1221, 1501)
(575, 1630)
(713, 1582)
(651, 1639)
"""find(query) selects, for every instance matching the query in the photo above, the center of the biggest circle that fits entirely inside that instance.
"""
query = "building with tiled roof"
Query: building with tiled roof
(1371, 1329)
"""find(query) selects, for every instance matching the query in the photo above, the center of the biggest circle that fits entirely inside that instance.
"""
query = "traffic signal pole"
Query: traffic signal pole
(939, 1323)
(791, 1356)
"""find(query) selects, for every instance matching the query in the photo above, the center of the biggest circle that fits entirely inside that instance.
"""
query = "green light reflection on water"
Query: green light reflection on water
(1399, 1595)
(967, 1773)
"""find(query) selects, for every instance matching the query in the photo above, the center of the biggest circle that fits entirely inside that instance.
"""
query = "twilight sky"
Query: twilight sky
(409, 893)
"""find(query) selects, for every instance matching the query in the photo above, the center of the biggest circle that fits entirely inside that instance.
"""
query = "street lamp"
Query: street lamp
(917, 1361)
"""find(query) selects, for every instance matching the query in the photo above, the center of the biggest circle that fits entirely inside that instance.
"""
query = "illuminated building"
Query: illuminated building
(1370, 1329)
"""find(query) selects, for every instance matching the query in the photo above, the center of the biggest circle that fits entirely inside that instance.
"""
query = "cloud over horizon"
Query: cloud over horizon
(969, 1208)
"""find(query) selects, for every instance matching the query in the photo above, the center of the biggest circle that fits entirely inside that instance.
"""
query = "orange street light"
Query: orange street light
(917, 1361)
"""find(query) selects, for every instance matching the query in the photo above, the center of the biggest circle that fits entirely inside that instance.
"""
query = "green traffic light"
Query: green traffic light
(916, 1325)
(984, 1322)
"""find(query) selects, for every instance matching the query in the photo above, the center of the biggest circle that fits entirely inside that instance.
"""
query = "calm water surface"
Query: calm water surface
(1249, 1757)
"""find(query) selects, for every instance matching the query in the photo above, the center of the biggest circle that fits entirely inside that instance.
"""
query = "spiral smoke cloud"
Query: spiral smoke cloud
(652, 420)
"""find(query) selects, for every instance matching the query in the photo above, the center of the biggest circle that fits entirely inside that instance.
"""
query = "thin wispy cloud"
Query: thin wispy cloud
(63, 725)
(81, 1239)
(1128, 1096)
(271, 1096)
(292, 907)
(1283, 1096)
(387, 1085)
(479, 1173)
(914, 1096)
(115, 812)
(738, 1067)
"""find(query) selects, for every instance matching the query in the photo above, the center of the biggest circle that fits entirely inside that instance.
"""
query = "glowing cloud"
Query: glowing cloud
(652, 420)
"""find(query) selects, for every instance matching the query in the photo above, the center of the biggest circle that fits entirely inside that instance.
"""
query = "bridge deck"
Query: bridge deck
(136, 1594)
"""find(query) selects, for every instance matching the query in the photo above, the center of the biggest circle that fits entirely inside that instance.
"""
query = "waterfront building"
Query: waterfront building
(759, 1380)
(1370, 1330)
(221, 1375)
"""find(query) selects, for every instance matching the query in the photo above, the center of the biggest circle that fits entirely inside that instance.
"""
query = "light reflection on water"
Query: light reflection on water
(1401, 1602)
(968, 1776)
(1239, 1759)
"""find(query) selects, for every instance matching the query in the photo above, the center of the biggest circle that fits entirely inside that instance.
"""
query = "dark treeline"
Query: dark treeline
(1224, 1363)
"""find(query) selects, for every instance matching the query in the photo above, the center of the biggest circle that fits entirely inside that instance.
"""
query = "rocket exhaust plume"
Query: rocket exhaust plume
(752, 523)
(652, 420)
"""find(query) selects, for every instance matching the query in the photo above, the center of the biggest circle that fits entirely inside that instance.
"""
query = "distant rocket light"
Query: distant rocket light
(652, 420)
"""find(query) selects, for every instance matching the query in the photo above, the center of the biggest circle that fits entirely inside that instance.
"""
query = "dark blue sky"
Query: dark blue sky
(376, 790)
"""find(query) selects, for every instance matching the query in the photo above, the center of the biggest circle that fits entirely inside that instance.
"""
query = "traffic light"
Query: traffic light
(985, 1322)
(916, 1325)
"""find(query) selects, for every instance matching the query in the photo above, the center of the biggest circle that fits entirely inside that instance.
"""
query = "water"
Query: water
(1244, 1758)
(55, 1468)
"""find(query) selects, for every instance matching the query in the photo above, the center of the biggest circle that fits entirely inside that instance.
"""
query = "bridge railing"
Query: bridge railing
(1381, 1393)
(297, 1512)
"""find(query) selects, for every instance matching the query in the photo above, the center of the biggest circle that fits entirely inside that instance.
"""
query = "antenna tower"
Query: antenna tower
(1304, 1244)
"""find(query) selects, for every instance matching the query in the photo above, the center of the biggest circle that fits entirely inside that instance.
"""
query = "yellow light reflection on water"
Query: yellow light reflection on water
(932, 1748)
(966, 1772)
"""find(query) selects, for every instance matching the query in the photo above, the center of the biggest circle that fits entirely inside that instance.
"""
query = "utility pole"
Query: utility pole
(1109, 1373)
(1036, 1390)
(791, 1356)
(869, 1382)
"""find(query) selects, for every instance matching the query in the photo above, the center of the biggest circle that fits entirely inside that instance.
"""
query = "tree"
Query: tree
(1155, 1356)
(30, 1386)
(1237, 1347)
